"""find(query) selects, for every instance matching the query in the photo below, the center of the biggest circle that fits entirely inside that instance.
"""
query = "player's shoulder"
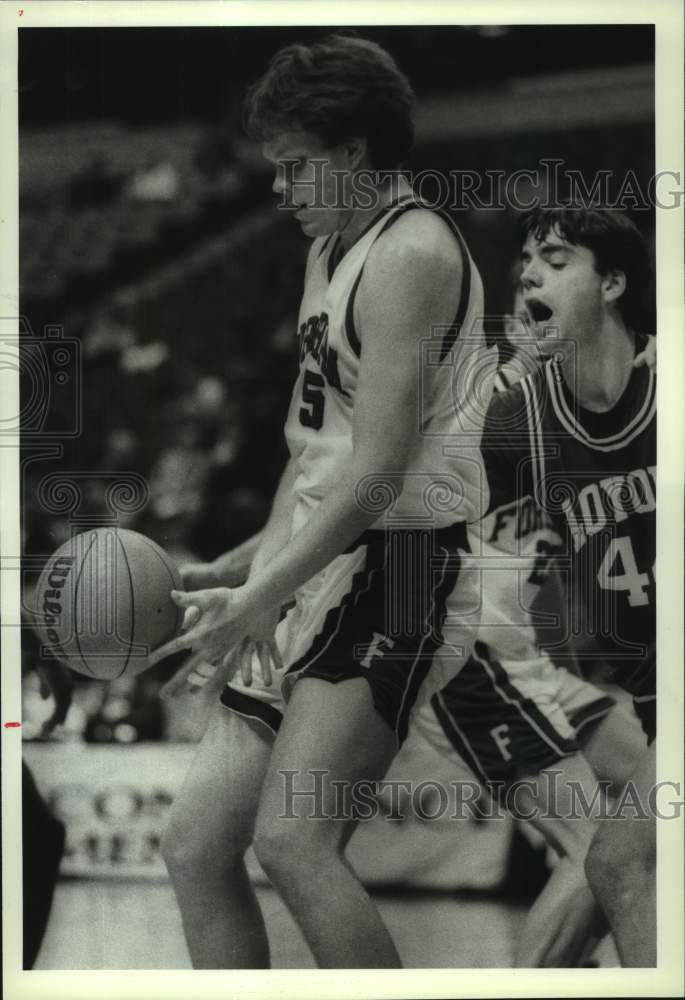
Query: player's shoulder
(510, 407)
(419, 240)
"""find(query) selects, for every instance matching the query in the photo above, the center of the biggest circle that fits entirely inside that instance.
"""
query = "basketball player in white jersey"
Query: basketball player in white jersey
(365, 540)
(499, 736)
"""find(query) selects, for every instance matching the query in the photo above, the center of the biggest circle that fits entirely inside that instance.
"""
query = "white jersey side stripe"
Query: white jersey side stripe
(418, 656)
(534, 422)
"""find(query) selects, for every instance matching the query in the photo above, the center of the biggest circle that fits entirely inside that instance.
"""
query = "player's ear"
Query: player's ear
(613, 285)
(356, 151)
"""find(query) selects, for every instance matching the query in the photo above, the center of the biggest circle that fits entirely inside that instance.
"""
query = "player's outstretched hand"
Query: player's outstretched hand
(648, 356)
(215, 621)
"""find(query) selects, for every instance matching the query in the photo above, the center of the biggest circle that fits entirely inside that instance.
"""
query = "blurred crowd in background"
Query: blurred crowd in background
(181, 286)
(156, 247)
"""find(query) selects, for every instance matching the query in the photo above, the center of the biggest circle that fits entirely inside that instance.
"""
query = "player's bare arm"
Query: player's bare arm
(270, 541)
(230, 569)
(409, 284)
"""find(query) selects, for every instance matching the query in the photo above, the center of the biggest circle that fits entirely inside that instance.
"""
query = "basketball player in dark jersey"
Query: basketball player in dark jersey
(579, 436)
(511, 714)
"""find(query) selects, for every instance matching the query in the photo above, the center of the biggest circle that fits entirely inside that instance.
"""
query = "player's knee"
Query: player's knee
(183, 855)
(188, 854)
(287, 845)
(620, 852)
(275, 845)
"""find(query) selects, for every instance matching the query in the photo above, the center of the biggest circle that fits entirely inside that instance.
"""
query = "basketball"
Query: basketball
(103, 602)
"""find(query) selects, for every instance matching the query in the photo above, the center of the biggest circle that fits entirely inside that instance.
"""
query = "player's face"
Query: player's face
(562, 291)
(310, 181)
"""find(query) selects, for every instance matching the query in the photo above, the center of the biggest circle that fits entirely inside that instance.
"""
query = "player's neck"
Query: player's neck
(361, 218)
(602, 367)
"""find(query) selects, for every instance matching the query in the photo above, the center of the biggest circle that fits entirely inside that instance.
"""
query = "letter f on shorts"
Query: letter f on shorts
(502, 740)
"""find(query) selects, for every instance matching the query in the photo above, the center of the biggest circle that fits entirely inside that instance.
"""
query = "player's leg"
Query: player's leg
(564, 919)
(608, 732)
(335, 728)
(621, 869)
(613, 746)
(507, 722)
(209, 830)
(354, 682)
(612, 740)
(565, 916)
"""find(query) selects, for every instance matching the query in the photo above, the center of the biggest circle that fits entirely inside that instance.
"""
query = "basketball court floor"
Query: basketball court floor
(134, 925)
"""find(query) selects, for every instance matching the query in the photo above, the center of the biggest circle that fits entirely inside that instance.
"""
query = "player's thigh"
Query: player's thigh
(614, 745)
(212, 816)
(562, 802)
(634, 830)
(331, 742)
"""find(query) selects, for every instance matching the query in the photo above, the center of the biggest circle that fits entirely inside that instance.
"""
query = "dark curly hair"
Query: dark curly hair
(339, 88)
(615, 241)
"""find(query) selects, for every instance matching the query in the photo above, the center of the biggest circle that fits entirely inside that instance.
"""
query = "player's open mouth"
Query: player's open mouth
(539, 311)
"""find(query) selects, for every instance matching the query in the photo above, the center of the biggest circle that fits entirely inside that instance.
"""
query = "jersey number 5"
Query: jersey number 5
(620, 558)
(312, 394)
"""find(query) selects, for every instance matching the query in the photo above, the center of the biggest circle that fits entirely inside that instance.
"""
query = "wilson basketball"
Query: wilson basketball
(103, 602)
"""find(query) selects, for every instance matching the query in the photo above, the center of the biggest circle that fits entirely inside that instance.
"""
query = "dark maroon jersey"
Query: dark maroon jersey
(594, 475)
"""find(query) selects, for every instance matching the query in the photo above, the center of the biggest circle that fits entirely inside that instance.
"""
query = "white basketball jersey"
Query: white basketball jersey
(444, 480)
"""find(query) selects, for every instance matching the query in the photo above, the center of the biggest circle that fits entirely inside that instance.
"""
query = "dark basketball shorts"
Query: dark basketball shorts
(641, 683)
(378, 611)
(509, 723)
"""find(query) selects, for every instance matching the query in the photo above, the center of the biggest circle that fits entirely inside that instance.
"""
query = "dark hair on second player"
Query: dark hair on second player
(339, 88)
(615, 241)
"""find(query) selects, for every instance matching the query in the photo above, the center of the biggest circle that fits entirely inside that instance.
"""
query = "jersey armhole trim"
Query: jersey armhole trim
(325, 244)
(464, 292)
(350, 329)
